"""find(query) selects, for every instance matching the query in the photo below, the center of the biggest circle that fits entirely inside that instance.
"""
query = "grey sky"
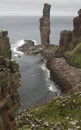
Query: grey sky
(34, 7)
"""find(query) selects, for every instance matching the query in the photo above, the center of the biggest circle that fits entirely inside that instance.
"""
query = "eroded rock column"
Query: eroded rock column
(45, 25)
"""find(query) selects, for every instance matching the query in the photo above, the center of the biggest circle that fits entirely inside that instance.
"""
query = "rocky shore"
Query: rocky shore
(67, 76)
(29, 48)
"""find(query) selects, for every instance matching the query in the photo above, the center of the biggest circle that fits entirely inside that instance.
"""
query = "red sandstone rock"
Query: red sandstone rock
(68, 39)
(9, 83)
(77, 24)
(65, 42)
(45, 25)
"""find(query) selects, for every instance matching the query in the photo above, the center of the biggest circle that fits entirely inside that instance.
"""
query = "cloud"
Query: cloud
(34, 7)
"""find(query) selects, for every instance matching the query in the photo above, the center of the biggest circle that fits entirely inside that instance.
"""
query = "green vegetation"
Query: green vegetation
(63, 113)
(76, 39)
(75, 55)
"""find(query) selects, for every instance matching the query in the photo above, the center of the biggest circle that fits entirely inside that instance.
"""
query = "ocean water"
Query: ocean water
(26, 27)
(36, 85)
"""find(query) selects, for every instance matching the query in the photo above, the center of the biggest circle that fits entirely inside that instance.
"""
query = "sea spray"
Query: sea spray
(18, 44)
(15, 46)
(50, 84)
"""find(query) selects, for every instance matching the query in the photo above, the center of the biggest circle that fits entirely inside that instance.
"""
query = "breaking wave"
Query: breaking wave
(50, 84)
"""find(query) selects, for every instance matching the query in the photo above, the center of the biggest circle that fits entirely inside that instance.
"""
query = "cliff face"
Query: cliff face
(45, 25)
(69, 51)
(9, 83)
(70, 39)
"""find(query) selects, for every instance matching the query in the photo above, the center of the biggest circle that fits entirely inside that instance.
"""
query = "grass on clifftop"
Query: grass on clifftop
(63, 113)
(75, 55)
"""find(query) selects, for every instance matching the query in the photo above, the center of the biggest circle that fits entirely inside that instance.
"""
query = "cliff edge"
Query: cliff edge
(9, 83)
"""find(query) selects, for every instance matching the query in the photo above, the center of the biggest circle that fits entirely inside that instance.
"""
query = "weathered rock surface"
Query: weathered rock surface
(69, 77)
(4, 45)
(77, 24)
(9, 83)
(45, 25)
(29, 48)
(70, 39)
(65, 42)
(49, 51)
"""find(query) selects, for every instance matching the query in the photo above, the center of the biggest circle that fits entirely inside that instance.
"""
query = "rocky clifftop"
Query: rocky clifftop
(9, 83)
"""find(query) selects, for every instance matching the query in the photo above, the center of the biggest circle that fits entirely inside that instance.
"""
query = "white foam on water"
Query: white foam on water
(15, 55)
(35, 43)
(51, 86)
(15, 46)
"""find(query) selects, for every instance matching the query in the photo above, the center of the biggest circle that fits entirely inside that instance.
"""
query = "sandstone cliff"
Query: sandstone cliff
(69, 51)
(70, 39)
(45, 25)
(9, 83)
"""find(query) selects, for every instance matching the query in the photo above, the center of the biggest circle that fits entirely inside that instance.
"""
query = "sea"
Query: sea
(36, 85)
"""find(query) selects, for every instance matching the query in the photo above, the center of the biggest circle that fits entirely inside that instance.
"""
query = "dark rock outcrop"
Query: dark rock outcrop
(4, 45)
(69, 39)
(77, 24)
(9, 83)
(45, 25)
(65, 42)
(28, 48)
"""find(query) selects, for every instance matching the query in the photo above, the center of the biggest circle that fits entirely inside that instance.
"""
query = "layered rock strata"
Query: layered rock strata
(4, 45)
(9, 83)
(69, 39)
(45, 25)
(77, 24)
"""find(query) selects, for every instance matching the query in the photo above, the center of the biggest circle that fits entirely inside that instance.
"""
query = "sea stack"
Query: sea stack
(9, 83)
(77, 24)
(45, 25)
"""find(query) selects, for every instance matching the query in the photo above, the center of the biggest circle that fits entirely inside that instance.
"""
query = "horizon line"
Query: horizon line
(39, 15)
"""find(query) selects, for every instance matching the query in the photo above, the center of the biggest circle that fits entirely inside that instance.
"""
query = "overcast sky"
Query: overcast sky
(34, 7)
